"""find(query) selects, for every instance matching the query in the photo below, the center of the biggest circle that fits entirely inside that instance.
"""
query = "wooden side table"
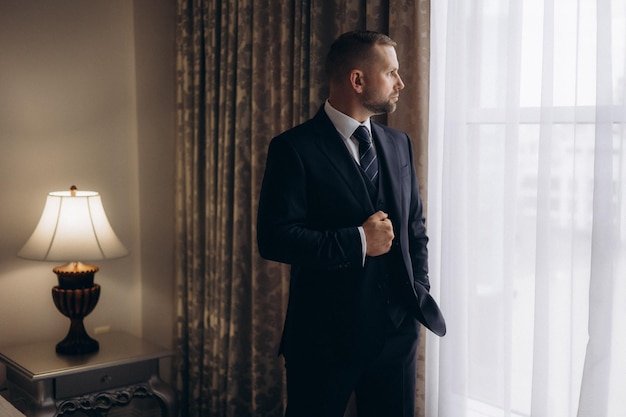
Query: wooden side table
(43, 383)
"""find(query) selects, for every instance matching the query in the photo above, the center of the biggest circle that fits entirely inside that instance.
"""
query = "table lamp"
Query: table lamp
(74, 227)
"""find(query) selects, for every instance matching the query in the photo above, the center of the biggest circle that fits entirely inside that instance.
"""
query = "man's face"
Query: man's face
(382, 81)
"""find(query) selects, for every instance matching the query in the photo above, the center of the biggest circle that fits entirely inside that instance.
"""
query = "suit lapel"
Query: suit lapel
(331, 144)
(389, 165)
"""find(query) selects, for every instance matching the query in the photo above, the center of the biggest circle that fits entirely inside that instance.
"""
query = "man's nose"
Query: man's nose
(400, 83)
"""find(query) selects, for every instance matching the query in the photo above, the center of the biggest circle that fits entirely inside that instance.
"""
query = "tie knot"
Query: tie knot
(362, 134)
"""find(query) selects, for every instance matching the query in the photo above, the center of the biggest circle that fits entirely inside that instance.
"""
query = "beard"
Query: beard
(377, 106)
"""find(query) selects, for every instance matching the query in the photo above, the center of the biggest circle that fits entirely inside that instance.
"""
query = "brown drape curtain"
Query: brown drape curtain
(246, 71)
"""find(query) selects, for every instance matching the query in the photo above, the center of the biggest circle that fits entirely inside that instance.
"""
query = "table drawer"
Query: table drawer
(100, 380)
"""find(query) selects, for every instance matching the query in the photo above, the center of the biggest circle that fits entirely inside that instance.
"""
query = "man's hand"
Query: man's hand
(378, 234)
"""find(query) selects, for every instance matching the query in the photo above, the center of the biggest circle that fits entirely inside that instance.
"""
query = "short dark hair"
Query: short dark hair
(351, 49)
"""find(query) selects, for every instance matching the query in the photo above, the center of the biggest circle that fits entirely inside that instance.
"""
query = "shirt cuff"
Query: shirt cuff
(363, 243)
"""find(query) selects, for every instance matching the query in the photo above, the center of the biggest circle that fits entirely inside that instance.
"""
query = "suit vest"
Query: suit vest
(386, 265)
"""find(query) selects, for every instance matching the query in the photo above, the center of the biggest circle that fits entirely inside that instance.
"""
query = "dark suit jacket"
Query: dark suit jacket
(312, 200)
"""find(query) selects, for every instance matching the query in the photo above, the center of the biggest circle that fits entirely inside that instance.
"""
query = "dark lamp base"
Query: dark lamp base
(77, 341)
(75, 297)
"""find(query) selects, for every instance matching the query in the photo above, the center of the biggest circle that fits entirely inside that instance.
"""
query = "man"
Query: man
(351, 227)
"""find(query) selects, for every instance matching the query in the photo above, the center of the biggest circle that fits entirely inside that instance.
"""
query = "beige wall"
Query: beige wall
(87, 98)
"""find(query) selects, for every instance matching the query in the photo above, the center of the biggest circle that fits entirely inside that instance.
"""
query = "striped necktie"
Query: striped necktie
(369, 163)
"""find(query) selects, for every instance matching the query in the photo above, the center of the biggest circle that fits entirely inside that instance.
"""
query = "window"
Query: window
(527, 190)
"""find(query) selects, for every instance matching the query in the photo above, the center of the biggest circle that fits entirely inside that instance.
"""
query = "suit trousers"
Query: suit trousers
(383, 387)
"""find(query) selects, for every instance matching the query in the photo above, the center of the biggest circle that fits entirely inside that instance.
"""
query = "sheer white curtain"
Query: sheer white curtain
(527, 208)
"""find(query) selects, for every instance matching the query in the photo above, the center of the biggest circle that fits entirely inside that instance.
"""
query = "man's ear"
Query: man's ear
(356, 80)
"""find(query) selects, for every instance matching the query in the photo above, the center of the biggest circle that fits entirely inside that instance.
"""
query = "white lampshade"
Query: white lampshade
(73, 227)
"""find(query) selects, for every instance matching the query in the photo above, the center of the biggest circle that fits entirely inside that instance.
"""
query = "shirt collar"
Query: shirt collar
(344, 124)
